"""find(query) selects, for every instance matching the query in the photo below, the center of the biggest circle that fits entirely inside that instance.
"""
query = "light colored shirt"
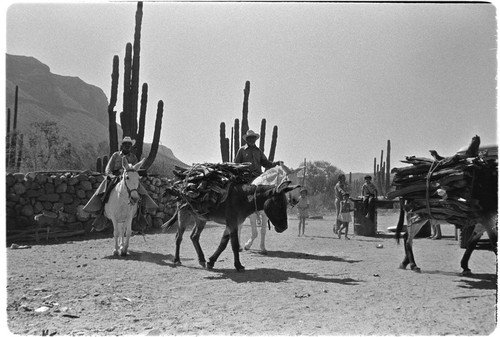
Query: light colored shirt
(115, 162)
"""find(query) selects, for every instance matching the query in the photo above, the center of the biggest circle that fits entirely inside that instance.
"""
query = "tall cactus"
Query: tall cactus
(388, 167)
(142, 121)
(224, 142)
(156, 137)
(134, 81)
(113, 132)
(273, 143)
(244, 119)
(125, 115)
(262, 134)
(236, 138)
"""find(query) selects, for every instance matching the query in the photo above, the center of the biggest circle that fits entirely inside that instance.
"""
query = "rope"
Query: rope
(432, 168)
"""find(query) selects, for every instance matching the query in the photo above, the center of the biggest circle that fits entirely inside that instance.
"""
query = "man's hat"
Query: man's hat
(127, 139)
(368, 177)
(250, 133)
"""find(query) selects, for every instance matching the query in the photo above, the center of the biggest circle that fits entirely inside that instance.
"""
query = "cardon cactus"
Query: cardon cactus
(142, 121)
(224, 142)
(244, 120)
(113, 133)
(273, 143)
(262, 134)
(236, 137)
(156, 138)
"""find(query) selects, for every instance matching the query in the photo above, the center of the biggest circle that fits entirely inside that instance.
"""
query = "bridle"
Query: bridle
(129, 191)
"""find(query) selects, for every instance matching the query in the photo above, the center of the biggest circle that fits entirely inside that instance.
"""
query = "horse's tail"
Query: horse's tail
(171, 221)
(401, 221)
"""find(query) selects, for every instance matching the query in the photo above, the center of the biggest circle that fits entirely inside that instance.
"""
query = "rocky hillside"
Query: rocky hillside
(80, 109)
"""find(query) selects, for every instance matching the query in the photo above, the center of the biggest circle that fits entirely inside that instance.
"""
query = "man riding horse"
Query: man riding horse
(250, 153)
(113, 172)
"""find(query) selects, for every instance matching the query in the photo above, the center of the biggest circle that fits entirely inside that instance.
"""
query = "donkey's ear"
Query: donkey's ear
(139, 164)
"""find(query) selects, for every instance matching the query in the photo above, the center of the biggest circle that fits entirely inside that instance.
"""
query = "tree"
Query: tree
(46, 149)
(320, 180)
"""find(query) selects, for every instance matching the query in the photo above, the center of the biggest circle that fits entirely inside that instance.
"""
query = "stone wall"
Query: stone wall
(46, 192)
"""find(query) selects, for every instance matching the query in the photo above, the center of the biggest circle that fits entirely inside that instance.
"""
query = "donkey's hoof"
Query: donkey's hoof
(402, 266)
(416, 269)
(177, 262)
(466, 272)
(123, 253)
(203, 264)
(210, 265)
(116, 253)
(240, 268)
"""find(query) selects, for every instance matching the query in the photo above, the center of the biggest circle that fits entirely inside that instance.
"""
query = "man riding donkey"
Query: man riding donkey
(113, 172)
(252, 154)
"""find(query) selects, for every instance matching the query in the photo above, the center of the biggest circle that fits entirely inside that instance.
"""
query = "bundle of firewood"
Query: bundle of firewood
(204, 186)
(441, 188)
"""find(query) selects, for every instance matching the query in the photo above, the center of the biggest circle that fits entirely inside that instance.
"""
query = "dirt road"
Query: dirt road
(310, 285)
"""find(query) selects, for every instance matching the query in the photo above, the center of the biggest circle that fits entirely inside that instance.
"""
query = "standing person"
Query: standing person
(303, 206)
(113, 172)
(370, 194)
(340, 190)
(345, 215)
(250, 153)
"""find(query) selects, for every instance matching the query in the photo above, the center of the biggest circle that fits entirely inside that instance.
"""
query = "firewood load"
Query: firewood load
(447, 188)
(205, 186)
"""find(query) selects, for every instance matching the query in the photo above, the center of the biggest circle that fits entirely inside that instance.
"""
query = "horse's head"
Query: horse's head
(130, 179)
(275, 205)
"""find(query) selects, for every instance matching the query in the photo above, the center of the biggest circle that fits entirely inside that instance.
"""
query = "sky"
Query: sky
(338, 79)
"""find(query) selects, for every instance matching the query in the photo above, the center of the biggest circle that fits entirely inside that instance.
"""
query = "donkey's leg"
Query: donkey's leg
(195, 238)
(263, 232)
(406, 260)
(235, 245)
(183, 218)
(412, 230)
(471, 245)
(222, 245)
(253, 224)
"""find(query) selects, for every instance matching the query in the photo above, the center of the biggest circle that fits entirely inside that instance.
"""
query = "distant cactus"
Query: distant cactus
(244, 119)
(98, 165)
(273, 143)
(262, 134)
(224, 142)
(236, 138)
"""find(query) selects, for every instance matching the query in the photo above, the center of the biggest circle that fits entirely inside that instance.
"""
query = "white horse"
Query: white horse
(122, 206)
(273, 176)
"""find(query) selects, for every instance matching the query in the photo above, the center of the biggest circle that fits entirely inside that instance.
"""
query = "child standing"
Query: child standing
(345, 215)
(303, 206)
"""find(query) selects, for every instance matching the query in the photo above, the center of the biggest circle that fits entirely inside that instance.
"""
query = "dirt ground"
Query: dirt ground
(315, 284)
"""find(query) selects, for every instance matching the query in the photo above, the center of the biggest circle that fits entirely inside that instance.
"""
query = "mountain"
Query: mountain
(80, 110)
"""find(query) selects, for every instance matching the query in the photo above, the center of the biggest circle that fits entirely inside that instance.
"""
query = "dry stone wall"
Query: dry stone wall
(44, 192)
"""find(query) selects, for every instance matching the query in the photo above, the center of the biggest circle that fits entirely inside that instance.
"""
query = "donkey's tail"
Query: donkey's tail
(401, 221)
(171, 221)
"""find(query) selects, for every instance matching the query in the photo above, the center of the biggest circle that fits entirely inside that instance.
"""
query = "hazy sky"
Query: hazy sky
(338, 79)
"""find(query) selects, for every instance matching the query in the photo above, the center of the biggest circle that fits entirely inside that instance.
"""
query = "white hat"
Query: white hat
(127, 139)
(250, 133)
